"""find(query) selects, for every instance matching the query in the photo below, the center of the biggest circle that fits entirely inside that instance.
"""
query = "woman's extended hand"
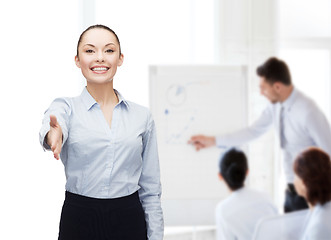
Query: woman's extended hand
(54, 137)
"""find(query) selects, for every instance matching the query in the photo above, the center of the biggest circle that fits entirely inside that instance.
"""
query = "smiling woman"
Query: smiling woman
(98, 55)
(108, 148)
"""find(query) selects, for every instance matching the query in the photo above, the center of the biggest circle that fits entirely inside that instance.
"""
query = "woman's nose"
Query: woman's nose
(100, 57)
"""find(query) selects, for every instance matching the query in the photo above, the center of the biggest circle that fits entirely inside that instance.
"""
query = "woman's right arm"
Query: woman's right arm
(54, 131)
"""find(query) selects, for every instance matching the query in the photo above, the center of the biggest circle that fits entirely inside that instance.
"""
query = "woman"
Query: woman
(313, 182)
(238, 214)
(108, 147)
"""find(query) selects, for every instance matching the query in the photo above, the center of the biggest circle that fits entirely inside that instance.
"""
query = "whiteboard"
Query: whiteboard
(189, 100)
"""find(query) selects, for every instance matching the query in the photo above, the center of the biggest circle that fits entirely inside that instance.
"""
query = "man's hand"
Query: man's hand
(201, 141)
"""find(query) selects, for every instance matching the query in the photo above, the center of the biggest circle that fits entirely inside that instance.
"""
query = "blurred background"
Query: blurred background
(39, 39)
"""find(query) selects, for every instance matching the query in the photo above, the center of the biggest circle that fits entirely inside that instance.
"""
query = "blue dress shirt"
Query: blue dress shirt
(304, 125)
(109, 162)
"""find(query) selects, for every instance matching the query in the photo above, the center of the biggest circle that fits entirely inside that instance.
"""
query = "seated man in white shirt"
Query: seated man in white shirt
(238, 214)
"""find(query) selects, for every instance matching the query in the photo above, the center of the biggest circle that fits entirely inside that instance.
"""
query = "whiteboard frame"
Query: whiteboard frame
(197, 211)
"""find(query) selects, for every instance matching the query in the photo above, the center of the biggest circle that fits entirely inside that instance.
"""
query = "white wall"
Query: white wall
(38, 40)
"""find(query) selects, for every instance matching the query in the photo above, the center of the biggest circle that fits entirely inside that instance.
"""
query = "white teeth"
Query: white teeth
(99, 69)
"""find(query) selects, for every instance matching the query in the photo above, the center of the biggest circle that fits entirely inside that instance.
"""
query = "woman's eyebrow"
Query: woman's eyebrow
(89, 44)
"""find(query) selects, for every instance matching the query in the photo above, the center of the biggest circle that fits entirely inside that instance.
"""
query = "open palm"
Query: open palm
(54, 137)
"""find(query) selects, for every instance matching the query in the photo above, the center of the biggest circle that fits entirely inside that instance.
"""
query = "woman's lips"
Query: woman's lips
(99, 69)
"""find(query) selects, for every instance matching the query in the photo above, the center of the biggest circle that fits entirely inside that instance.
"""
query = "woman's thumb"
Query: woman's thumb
(53, 121)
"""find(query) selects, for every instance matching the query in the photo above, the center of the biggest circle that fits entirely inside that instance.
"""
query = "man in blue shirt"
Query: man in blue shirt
(298, 122)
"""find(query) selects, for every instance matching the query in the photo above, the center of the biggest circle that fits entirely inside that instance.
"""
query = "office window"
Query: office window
(305, 44)
(305, 18)
(157, 32)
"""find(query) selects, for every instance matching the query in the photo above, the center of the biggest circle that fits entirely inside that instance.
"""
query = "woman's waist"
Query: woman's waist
(109, 203)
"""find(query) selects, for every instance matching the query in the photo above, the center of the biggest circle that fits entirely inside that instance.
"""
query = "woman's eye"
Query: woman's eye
(89, 51)
(109, 50)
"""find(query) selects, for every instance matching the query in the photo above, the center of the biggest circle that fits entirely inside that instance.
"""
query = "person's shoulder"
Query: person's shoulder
(257, 196)
(131, 106)
(227, 203)
(137, 108)
(222, 208)
(255, 192)
(67, 102)
(64, 101)
(320, 223)
(324, 212)
(304, 102)
(305, 107)
(220, 205)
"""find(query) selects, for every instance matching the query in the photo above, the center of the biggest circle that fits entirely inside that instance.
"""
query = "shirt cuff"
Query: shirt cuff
(42, 137)
(219, 142)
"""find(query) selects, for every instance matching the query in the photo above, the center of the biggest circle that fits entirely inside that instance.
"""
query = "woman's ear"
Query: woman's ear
(77, 61)
(120, 62)
(220, 176)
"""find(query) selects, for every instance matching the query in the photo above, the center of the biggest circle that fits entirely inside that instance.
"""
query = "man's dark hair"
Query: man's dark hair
(275, 70)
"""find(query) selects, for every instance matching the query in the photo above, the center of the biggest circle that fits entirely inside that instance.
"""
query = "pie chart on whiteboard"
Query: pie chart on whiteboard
(176, 95)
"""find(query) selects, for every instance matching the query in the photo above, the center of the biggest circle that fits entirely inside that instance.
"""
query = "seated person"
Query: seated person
(312, 181)
(238, 214)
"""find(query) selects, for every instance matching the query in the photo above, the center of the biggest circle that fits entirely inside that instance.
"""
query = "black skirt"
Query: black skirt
(85, 218)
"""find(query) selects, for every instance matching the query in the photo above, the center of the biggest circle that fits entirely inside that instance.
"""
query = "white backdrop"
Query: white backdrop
(38, 40)
(38, 46)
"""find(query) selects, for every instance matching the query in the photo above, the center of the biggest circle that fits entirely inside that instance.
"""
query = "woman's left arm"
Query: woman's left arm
(150, 185)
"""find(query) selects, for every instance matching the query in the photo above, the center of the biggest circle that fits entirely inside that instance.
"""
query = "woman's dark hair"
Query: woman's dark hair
(275, 70)
(313, 166)
(233, 168)
(98, 26)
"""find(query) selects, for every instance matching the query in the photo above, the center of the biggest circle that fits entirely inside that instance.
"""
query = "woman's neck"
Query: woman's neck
(311, 207)
(103, 94)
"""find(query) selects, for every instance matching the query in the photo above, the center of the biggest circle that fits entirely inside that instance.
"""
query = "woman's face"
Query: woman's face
(300, 187)
(99, 56)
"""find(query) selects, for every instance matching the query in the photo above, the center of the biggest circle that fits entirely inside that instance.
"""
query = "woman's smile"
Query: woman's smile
(99, 69)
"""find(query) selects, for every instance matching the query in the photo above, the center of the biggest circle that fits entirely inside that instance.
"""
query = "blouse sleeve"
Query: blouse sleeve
(150, 185)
